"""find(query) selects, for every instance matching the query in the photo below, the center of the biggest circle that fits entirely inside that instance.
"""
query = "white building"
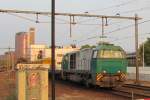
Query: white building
(46, 53)
(34, 51)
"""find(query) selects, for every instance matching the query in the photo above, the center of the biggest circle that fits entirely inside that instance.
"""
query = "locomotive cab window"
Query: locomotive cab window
(110, 54)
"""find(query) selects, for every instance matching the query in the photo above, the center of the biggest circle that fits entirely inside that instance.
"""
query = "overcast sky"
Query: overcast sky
(10, 24)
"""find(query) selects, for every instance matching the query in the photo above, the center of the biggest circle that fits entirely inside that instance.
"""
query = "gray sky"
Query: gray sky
(11, 24)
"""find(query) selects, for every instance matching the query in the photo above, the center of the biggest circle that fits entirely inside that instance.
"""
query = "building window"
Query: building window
(40, 54)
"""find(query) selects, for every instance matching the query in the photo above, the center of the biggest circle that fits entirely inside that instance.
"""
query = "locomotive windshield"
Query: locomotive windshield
(110, 54)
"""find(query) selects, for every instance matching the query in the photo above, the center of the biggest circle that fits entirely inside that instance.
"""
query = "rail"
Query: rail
(132, 91)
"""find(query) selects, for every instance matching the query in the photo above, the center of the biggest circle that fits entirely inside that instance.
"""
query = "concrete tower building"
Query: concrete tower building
(21, 45)
(31, 36)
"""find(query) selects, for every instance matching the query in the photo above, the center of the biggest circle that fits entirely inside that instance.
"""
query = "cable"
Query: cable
(113, 6)
(59, 19)
(90, 24)
(22, 17)
(94, 30)
(67, 22)
(86, 20)
(45, 21)
(62, 20)
(35, 20)
(140, 9)
(127, 37)
(115, 30)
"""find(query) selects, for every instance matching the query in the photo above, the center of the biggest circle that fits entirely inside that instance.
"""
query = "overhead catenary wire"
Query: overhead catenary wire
(135, 10)
(127, 37)
(64, 21)
(119, 29)
(65, 14)
(124, 12)
(68, 14)
(86, 20)
(113, 6)
(22, 17)
(116, 39)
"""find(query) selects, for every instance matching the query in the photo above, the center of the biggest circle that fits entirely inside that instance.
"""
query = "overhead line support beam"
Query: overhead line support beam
(67, 14)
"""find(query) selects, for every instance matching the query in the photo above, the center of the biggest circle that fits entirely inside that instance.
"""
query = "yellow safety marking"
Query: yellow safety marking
(99, 76)
(122, 75)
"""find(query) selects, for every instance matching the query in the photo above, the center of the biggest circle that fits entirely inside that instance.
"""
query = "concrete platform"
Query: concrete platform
(144, 73)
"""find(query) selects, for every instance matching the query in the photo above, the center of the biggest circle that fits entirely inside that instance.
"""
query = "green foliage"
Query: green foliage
(146, 51)
(102, 42)
(93, 46)
(87, 46)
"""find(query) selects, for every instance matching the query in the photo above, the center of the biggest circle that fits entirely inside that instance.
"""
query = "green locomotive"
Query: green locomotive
(105, 66)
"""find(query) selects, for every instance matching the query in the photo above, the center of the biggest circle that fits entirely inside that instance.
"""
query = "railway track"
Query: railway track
(129, 91)
(69, 90)
(141, 87)
(132, 91)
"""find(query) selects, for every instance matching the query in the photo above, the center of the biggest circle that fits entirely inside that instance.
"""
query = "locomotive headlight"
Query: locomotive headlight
(119, 71)
(104, 71)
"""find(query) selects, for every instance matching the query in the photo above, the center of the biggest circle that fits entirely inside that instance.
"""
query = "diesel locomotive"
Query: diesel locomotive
(104, 66)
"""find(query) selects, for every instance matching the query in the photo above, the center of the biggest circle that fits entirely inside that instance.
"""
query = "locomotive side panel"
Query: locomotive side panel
(84, 61)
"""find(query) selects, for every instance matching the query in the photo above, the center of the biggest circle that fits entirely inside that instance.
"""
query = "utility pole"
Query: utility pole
(136, 48)
(53, 47)
(143, 56)
(9, 58)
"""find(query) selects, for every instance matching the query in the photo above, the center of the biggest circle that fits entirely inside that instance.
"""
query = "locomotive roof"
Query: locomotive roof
(101, 47)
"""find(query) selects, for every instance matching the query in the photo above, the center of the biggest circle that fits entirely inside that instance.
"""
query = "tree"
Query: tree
(93, 46)
(146, 51)
(103, 42)
(85, 46)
